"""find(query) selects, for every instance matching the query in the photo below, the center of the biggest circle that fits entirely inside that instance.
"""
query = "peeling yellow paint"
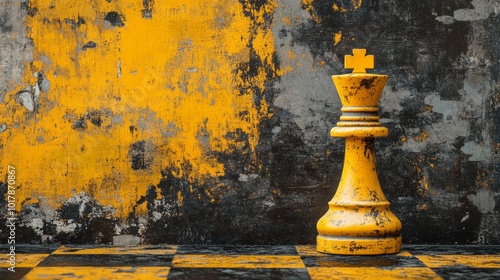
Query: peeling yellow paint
(141, 210)
(422, 174)
(169, 77)
(337, 37)
(180, 198)
(422, 136)
(422, 207)
(356, 4)
(286, 20)
(308, 5)
(424, 182)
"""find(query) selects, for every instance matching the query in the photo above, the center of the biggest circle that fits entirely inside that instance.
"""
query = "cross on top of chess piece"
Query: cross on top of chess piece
(359, 61)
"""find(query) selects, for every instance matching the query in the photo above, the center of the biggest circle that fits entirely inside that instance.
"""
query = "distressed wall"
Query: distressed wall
(208, 121)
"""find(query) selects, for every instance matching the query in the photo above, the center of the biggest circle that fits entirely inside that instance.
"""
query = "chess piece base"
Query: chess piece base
(358, 245)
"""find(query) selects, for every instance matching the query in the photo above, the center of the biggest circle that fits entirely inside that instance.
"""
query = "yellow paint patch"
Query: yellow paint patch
(320, 273)
(180, 198)
(168, 83)
(425, 183)
(286, 20)
(356, 4)
(476, 261)
(136, 250)
(115, 273)
(422, 137)
(422, 207)
(308, 5)
(337, 37)
(237, 261)
(405, 254)
(308, 250)
(25, 260)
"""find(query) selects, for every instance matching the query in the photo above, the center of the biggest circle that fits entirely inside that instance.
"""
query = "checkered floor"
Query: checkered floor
(246, 262)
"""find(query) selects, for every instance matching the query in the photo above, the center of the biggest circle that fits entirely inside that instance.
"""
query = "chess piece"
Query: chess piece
(359, 221)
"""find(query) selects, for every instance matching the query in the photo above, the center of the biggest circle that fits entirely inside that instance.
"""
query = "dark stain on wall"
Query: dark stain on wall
(89, 45)
(139, 155)
(114, 19)
(4, 25)
(79, 124)
(94, 117)
(148, 5)
(74, 23)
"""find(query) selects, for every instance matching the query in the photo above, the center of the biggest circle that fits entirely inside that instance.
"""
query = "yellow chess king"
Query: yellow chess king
(359, 221)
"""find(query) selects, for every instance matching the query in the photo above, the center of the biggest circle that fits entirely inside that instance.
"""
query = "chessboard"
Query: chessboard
(245, 262)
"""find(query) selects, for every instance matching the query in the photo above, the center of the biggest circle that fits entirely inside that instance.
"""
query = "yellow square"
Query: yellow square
(237, 261)
(476, 261)
(308, 250)
(25, 260)
(324, 273)
(101, 273)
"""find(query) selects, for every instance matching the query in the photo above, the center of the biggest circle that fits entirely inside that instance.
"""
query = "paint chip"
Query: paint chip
(138, 154)
(114, 19)
(276, 130)
(89, 45)
(26, 99)
(75, 23)
(147, 12)
(483, 200)
(119, 66)
(446, 19)
(94, 117)
(79, 124)
(465, 217)
(482, 10)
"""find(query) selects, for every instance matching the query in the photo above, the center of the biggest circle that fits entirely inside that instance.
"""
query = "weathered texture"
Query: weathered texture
(208, 121)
